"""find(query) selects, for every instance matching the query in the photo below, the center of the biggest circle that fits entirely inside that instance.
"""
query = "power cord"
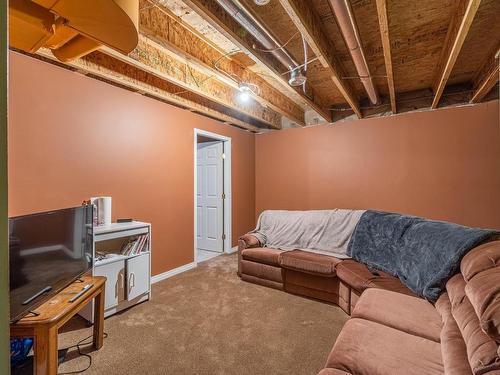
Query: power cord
(78, 346)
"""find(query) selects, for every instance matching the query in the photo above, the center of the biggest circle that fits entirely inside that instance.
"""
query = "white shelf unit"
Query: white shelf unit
(128, 276)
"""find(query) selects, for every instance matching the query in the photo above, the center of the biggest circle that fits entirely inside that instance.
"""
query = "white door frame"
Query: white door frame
(226, 141)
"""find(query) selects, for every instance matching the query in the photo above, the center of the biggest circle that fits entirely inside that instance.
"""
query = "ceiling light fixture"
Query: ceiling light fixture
(245, 90)
(261, 2)
(297, 77)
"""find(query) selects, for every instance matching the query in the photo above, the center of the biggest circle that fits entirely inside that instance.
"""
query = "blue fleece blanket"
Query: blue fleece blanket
(422, 253)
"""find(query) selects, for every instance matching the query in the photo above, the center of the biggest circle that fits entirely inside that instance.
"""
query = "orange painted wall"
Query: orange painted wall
(443, 164)
(72, 137)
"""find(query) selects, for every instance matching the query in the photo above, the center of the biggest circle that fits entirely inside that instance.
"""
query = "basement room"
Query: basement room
(264, 187)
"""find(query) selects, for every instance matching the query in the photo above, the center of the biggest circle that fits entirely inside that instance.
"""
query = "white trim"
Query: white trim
(232, 250)
(227, 188)
(175, 271)
(211, 135)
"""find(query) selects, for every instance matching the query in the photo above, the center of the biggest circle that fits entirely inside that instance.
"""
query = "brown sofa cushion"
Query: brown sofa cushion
(483, 291)
(409, 314)
(263, 282)
(326, 284)
(262, 255)
(481, 271)
(359, 277)
(390, 283)
(312, 293)
(480, 259)
(304, 261)
(453, 347)
(367, 348)
(356, 274)
(263, 271)
(482, 351)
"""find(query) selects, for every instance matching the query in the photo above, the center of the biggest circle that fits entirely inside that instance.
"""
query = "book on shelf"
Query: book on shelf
(135, 245)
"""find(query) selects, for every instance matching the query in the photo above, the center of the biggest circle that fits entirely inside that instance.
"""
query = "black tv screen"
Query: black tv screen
(47, 251)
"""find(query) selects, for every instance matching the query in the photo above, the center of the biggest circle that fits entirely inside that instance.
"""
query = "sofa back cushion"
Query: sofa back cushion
(481, 271)
(482, 350)
(480, 259)
(453, 348)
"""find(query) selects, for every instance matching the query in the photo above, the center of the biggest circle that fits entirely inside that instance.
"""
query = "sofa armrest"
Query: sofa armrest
(247, 241)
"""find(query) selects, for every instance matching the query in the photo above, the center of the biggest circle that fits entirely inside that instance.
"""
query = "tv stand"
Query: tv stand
(52, 315)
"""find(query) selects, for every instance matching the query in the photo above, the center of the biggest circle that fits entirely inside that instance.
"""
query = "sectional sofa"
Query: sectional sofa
(392, 331)
(311, 275)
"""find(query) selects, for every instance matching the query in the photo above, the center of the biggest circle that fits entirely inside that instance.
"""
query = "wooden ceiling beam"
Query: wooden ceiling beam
(309, 24)
(151, 58)
(457, 32)
(383, 21)
(111, 70)
(160, 25)
(227, 26)
(486, 78)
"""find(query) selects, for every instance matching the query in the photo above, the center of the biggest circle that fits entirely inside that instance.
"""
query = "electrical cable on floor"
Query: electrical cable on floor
(79, 349)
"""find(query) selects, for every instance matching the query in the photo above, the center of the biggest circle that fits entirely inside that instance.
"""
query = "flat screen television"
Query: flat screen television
(47, 252)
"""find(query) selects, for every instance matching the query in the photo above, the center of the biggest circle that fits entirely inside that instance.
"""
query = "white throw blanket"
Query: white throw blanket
(325, 232)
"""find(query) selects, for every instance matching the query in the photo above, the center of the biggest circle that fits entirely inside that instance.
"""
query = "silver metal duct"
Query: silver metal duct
(349, 30)
(247, 21)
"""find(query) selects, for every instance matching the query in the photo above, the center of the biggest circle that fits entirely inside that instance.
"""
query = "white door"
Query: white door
(209, 196)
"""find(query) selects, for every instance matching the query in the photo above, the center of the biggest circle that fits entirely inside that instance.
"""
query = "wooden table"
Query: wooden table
(54, 314)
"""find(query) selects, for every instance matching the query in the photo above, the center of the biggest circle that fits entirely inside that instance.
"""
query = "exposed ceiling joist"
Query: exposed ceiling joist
(152, 58)
(309, 24)
(386, 45)
(164, 28)
(457, 32)
(486, 78)
(106, 68)
(225, 24)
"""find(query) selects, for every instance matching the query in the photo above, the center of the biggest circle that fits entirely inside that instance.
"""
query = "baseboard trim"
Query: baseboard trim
(175, 271)
(233, 250)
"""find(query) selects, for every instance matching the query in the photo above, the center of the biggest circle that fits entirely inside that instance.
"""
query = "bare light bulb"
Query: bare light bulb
(244, 92)
(243, 96)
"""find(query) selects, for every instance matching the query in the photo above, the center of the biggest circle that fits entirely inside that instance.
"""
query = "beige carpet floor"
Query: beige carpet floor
(208, 321)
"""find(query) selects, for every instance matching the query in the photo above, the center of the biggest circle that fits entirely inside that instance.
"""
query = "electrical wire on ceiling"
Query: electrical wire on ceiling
(300, 66)
(277, 48)
(247, 87)
(304, 44)
(216, 63)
